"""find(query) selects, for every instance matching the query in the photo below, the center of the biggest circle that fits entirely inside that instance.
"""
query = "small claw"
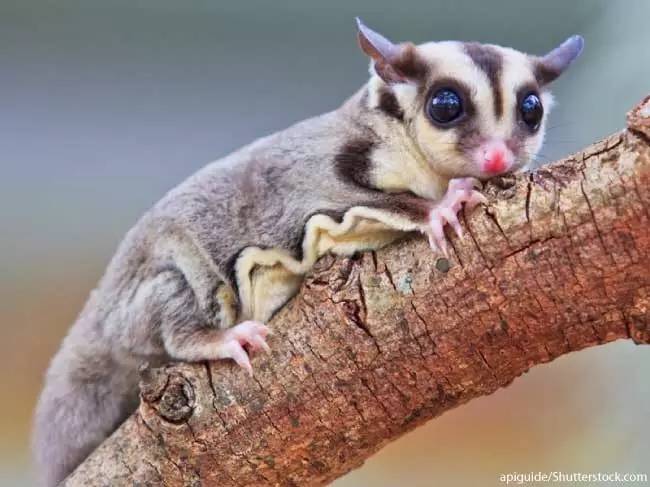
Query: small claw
(458, 229)
(438, 244)
(444, 248)
(432, 243)
(239, 355)
(435, 226)
(452, 219)
(476, 198)
(437, 239)
(247, 333)
(259, 343)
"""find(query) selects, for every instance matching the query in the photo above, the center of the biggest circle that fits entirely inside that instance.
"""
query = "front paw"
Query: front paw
(459, 191)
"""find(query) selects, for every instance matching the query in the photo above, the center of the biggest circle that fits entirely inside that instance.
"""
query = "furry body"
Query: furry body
(160, 293)
(233, 241)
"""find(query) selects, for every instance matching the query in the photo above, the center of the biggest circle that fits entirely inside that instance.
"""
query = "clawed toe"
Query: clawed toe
(437, 243)
(476, 198)
(446, 212)
(250, 334)
(259, 343)
(452, 219)
(235, 351)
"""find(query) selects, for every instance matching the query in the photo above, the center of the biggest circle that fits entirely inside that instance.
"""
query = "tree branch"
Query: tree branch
(376, 345)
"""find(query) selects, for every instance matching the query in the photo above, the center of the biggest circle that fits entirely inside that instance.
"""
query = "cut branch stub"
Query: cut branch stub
(374, 345)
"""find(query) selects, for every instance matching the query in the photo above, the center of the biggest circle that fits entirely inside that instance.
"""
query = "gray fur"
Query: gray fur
(172, 286)
(148, 307)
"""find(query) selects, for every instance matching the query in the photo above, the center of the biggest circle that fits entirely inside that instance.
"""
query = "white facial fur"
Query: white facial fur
(459, 150)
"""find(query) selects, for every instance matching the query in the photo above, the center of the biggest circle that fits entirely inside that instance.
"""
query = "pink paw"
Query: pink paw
(459, 191)
(251, 334)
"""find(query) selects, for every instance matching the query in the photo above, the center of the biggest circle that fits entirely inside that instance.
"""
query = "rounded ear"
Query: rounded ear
(553, 64)
(383, 52)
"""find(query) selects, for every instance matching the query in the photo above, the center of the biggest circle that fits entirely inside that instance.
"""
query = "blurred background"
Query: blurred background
(105, 105)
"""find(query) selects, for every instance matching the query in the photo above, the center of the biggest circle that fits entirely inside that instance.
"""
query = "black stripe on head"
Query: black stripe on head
(410, 64)
(389, 105)
(544, 74)
(469, 138)
(353, 164)
(490, 61)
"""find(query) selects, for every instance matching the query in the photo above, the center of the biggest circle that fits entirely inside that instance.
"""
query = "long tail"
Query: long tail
(84, 400)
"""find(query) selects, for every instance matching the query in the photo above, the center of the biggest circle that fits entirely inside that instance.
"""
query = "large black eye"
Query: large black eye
(445, 106)
(531, 111)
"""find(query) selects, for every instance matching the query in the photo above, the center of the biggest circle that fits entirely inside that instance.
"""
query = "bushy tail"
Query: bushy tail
(84, 400)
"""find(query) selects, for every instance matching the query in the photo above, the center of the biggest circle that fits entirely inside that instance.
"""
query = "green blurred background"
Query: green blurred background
(104, 105)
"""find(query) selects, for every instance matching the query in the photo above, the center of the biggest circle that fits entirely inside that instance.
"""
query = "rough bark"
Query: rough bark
(376, 345)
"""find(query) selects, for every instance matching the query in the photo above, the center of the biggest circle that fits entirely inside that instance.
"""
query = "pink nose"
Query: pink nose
(497, 158)
(495, 161)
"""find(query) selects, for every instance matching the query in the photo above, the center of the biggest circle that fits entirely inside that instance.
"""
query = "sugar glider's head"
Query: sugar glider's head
(471, 109)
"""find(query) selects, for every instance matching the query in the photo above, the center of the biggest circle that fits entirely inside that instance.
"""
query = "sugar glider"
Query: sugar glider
(199, 274)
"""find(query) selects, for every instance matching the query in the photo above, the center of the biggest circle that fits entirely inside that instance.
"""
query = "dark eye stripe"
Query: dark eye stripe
(389, 105)
(459, 87)
(445, 106)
